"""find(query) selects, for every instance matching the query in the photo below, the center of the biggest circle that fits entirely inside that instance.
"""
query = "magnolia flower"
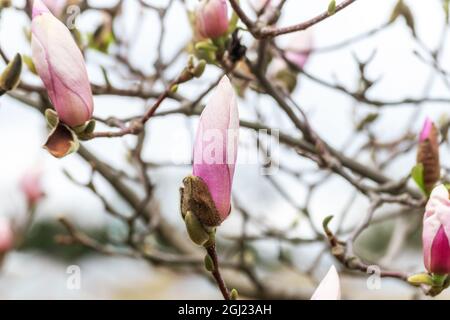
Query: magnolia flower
(216, 143)
(31, 187)
(6, 236)
(299, 48)
(61, 67)
(436, 232)
(212, 18)
(428, 154)
(329, 288)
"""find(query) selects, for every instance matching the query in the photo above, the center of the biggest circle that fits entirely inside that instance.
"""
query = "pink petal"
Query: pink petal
(426, 129)
(39, 8)
(299, 48)
(440, 254)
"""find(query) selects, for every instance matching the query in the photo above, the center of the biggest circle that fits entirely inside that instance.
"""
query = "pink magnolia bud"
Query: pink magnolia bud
(428, 154)
(212, 18)
(61, 67)
(6, 236)
(329, 288)
(215, 148)
(31, 187)
(299, 48)
(436, 232)
(426, 130)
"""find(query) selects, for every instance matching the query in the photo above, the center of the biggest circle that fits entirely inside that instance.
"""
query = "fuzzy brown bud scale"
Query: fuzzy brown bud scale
(428, 156)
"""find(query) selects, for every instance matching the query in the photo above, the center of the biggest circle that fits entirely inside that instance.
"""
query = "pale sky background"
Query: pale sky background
(23, 131)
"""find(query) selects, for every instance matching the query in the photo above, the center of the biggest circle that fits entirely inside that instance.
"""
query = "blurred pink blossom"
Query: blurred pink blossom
(6, 236)
(31, 187)
(212, 18)
(299, 48)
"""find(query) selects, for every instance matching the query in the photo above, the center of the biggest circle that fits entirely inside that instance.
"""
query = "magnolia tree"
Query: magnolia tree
(238, 83)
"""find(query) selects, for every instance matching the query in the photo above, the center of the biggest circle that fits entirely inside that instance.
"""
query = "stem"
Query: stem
(211, 250)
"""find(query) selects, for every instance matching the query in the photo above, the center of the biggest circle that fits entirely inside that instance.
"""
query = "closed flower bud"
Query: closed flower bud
(329, 288)
(216, 143)
(61, 66)
(436, 232)
(428, 155)
(212, 18)
(10, 77)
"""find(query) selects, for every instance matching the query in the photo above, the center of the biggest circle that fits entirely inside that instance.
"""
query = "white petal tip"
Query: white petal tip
(329, 288)
(440, 191)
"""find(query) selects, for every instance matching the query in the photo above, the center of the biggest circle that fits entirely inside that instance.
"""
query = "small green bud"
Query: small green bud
(190, 64)
(332, 7)
(420, 278)
(287, 78)
(446, 6)
(90, 127)
(199, 68)
(234, 295)
(401, 9)
(185, 76)
(205, 46)
(209, 264)
(438, 279)
(195, 229)
(325, 223)
(174, 88)
(10, 77)
(79, 129)
(30, 64)
(84, 131)
(52, 118)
